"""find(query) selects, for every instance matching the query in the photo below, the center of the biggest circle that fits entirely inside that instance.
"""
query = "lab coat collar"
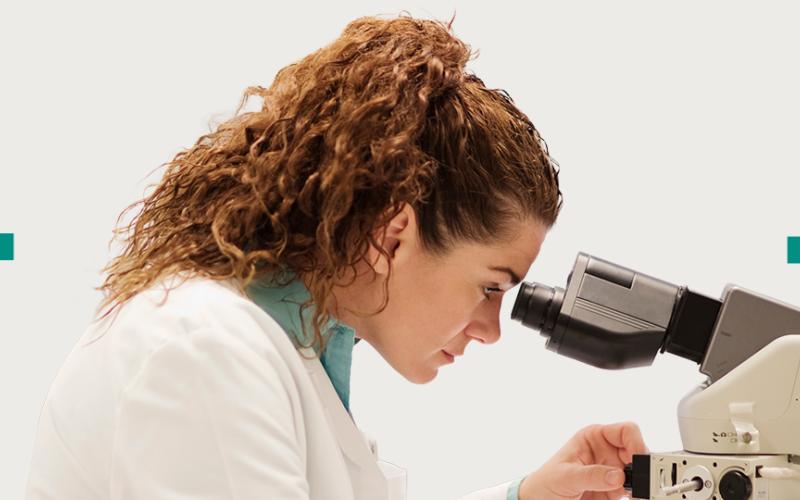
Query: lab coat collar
(367, 477)
(283, 304)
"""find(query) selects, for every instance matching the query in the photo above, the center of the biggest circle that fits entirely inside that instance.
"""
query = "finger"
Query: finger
(596, 449)
(627, 437)
(593, 477)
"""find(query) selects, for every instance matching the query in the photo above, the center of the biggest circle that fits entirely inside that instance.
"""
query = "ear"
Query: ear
(398, 238)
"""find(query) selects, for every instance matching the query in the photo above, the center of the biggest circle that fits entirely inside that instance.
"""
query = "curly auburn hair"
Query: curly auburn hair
(383, 116)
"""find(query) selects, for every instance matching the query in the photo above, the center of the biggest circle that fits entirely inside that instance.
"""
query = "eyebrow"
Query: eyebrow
(514, 278)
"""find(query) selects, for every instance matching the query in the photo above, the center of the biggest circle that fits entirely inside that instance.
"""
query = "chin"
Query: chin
(420, 372)
(422, 375)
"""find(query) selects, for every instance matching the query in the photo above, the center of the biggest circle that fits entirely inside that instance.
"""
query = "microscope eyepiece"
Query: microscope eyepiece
(537, 306)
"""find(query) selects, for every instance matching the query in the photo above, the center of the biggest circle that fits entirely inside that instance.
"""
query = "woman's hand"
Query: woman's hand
(589, 467)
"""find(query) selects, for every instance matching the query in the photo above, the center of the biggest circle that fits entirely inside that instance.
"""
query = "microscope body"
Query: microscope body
(753, 409)
(740, 434)
(740, 428)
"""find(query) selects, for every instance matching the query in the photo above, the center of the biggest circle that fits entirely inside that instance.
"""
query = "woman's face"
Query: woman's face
(436, 306)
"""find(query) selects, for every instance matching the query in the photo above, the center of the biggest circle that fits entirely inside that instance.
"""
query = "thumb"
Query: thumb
(595, 477)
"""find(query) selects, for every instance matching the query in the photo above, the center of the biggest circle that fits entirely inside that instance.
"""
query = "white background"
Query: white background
(675, 124)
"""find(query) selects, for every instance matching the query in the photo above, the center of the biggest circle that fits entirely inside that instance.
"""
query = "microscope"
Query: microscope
(740, 428)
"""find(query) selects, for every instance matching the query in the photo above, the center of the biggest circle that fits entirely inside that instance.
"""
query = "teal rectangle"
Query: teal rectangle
(793, 251)
(6, 246)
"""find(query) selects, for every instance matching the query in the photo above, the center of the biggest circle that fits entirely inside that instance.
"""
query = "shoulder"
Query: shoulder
(184, 313)
(220, 381)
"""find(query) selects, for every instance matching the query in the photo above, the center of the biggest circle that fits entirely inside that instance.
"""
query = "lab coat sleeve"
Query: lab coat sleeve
(207, 417)
(504, 491)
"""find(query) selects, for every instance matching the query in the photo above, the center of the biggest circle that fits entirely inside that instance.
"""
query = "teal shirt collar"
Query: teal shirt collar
(283, 304)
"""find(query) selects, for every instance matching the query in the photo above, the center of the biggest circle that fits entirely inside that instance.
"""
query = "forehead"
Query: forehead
(517, 253)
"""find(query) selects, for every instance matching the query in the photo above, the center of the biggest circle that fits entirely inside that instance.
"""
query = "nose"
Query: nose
(485, 327)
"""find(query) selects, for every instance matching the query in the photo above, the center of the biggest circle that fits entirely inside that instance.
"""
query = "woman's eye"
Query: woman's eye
(487, 291)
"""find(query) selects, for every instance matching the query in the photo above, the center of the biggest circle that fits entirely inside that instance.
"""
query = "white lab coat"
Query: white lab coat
(203, 397)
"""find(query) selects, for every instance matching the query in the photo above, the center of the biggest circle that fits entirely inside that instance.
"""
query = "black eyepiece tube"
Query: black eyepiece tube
(609, 316)
(537, 307)
(613, 317)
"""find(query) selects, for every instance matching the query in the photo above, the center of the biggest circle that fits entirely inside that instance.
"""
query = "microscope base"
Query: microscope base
(660, 476)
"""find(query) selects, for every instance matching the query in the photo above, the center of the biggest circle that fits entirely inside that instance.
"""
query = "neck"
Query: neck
(356, 300)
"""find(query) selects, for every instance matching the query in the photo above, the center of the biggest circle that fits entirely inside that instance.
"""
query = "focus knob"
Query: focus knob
(735, 485)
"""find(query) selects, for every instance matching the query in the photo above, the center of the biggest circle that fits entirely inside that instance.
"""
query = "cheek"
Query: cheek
(431, 307)
(444, 313)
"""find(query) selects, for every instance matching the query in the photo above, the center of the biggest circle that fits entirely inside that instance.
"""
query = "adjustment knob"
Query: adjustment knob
(628, 484)
(735, 485)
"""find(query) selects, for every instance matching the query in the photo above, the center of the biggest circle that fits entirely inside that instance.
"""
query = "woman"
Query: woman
(381, 193)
